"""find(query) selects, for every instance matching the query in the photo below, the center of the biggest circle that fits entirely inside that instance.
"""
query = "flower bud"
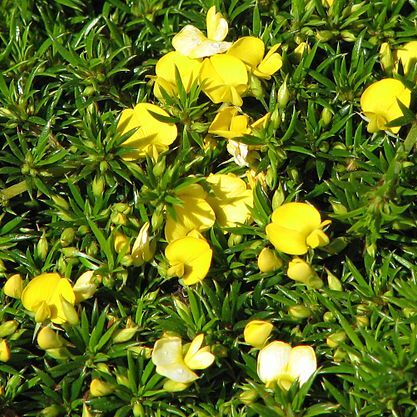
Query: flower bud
(362, 321)
(42, 247)
(86, 286)
(8, 328)
(60, 354)
(326, 116)
(124, 335)
(69, 312)
(335, 339)
(98, 186)
(283, 95)
(300, 271)
(48, 339)
(14, 286)
(121, 242)
(138, 410)
(67, 237)
(334, 282)
(143, 249)
(248, 396)
(324, 35)
(255, 87)
(386, 58)
(122, 379)
(328, 317)
(347, 36)
(4, 351)
(300, 50)
(275, 120)
(299, 312)
(256, 332)
(268, 261)
(99, 388)
(159, 167)
(53, 410)
(338, 355)
(86, 412)
(60, 202)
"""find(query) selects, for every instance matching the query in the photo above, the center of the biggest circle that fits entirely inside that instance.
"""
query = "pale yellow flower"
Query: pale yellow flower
(407, 55)
(268, 261)
(170, 361)
(191, 42)
(279, 363)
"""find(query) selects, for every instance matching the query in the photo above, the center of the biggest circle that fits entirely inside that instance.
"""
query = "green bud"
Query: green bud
(157, 219)
(103, 166)
(324, 35)
(98, 186)
(234, 240)
(347, 36)
(338, 355)
(328, 316)
(8, 328)
(326, 116)
(248, 397)
(92, 249)
(69, 252)
(334, 282)
(52, 411)
(138, 410)
(362, 321)
(278, 197)
(255, 87)
(124, 335)
(283, 94)
(60, 354)
(299, 312)
(159, 167)
(60, 202)
(335, 339)
(67, 236)
(122, 379)
(83, 230)
(42, 247)
(275, 120)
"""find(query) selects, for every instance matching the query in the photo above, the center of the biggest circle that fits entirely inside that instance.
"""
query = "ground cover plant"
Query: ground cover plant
(208, 208)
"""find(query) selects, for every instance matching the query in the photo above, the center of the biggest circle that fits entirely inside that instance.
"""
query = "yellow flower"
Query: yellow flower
(279, 363)
(189, 259)
(407, 55)
(295, 227)
(232, 201)
(379, 103)
(256, 332)
(165, 70)
(195, 213)
(44, 296)
(251, 51)
(48, 339)
(229, 124)
(191, 42)
(170, 362)
(99, 388)
(268, 261)
(151, 136)
(301, 271)
(14, 286)
(223, 78)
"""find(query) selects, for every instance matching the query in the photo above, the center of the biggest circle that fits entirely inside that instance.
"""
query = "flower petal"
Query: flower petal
(177, 372)
(167, 351)
(248, 49)
(302, 363)
(297, 216)
(39, 289)
(217, 26)
(272, 361)
(286, 240)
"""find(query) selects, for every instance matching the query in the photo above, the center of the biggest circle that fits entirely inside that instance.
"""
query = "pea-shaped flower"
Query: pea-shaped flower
(171, 362)
(379, 103)
(189, 259)
(191, 42)
(231, 200)
(49, 296)
(166, 73)
(223, 78)
(194, 213)
(282, 364)
(251, 51)
(151, 136)
(407, 55)
(295, 227)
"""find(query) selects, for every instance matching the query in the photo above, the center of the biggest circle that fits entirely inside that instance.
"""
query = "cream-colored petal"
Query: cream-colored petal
(177, 372)
(272, 361)
(201, 360)
(167, 351)
(302, 363)
(194, 347)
